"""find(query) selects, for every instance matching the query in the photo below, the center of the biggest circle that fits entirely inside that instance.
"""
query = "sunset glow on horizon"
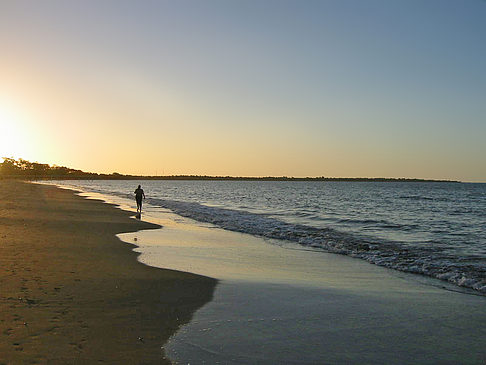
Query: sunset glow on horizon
(252, 88)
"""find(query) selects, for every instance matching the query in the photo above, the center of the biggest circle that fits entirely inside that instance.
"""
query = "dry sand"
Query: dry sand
(73, 293)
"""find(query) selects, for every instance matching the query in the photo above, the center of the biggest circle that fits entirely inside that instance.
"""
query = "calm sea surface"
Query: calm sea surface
(433, 229)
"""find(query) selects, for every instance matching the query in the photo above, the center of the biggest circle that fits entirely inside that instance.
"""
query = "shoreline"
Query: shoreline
(72, 291)
(278, 304)
(167, 220)
(369, 238)
(284, 305)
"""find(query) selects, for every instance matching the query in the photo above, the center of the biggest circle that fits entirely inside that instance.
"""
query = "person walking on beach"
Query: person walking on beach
(139, 194)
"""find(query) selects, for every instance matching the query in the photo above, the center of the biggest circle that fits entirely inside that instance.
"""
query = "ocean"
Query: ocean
(426, 228)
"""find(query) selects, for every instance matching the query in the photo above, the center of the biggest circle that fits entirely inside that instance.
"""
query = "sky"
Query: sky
(338, 88)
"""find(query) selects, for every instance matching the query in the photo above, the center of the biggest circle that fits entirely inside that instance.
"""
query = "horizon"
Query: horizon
(230, 177)
(350, 89)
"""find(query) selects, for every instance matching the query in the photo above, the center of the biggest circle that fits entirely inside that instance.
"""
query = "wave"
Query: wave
(421, 197)
(381, 223)
(424, 260)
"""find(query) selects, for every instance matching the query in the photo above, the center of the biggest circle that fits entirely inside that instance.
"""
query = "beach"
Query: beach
(310, 174)
(72, 292)
(84, 282)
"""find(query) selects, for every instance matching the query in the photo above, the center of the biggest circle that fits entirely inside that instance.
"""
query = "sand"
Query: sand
(72, 292)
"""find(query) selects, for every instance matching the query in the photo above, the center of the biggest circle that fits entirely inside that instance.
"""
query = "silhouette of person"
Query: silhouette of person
(138, 197)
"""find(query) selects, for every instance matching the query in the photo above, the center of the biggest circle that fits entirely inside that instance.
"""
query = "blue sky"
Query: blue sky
(297, 88)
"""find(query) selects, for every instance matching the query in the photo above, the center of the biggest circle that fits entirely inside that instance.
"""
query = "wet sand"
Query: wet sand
(277, 303)
(72, 292)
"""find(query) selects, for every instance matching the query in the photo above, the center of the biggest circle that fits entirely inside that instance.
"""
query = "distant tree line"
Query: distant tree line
(11, 168)
(23, 169)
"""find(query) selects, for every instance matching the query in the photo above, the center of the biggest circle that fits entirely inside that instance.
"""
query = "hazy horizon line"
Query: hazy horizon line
(189, 176)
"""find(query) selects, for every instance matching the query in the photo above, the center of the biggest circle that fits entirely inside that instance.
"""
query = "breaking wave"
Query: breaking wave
(431, 261)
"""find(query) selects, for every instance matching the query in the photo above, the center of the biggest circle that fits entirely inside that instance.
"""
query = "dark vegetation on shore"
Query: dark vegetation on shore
(11, 168)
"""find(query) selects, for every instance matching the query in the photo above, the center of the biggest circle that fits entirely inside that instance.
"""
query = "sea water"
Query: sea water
(427, 228)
